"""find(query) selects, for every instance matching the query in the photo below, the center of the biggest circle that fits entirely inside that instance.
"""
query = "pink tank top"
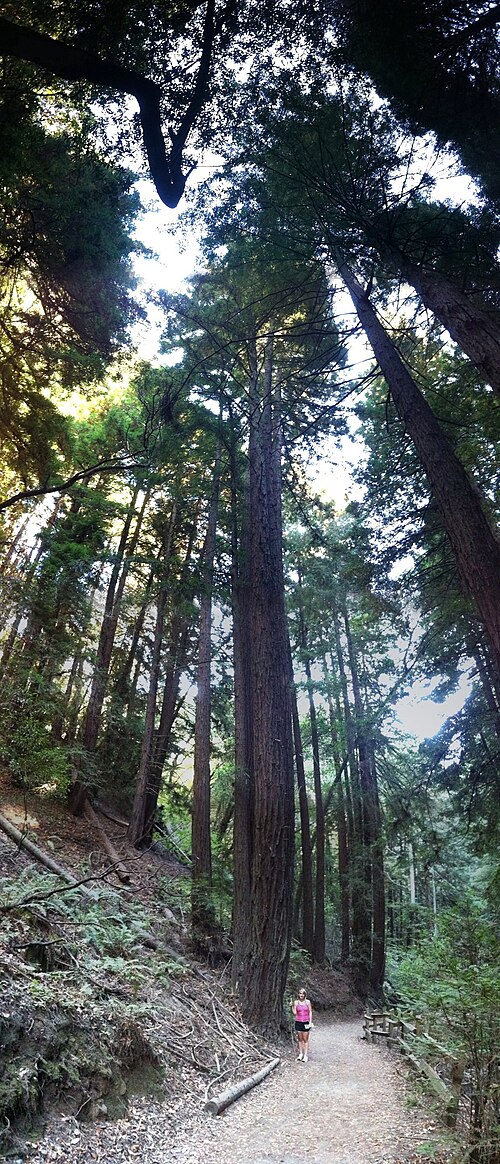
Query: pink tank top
(302, 1012)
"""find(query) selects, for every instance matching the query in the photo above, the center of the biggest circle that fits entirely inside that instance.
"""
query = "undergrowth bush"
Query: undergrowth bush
(27, 746)
(453, 978)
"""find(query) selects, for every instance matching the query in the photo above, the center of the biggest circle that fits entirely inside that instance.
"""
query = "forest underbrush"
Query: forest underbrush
(102, 998)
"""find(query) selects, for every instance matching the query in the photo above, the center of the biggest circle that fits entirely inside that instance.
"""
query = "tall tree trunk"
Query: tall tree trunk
(201, 845)
(123, 682)
(488, 691)
(474, 543)
(74, 700)
(8, 557)
(471, 327)
(319, 950)
(32, 563)
(344, 869)
(342, 828)
(370, 953)
(243, 824)
(319, 904)
(175, 661)
(112, 606)
(362, 946)
(305, 831)
(377, 967)
(60, 722)
(270, 923)
(360, 917)
(138, 816)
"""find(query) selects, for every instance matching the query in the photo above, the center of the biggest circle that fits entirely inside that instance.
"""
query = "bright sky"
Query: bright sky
(422, 718)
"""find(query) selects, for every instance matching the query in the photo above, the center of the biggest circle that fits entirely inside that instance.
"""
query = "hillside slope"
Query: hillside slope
(101, 997)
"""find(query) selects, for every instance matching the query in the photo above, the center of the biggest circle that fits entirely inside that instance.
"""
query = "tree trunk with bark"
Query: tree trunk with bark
(319, 944)
(32, 630)
(361, 917)
(342, 827)
(112, 606)
(202, 914)
(319, 940)
(370, 952)
(471, 327)
(475, 544)
(243, 824)
(123, 683)
(270, 922)
(307, 939)
(174, 661)
(138, 816)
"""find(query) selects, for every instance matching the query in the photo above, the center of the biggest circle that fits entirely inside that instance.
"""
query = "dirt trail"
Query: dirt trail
(347, 1105)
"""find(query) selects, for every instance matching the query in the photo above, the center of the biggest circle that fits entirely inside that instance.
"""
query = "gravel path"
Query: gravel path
(347, 1105)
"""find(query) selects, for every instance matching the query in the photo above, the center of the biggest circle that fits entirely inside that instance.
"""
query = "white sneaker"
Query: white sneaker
(305, 1058)
(299, 1058)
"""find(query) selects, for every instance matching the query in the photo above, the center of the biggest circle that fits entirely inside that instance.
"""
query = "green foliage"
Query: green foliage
(300, 962)
(106, 934)
(430, 60)
(34, 759)
(66, 281)
(116, 762)
(453, 978)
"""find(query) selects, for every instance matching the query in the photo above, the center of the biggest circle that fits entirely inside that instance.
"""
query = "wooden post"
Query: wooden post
(407, 1029)
(419, 1024)
(394, 1031)
(401, 1033)
(377, 1019)
(367, 1027)
(457, 1074)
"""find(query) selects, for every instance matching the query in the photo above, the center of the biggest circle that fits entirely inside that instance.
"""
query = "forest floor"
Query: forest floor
(108, 1053)
(350, 1104)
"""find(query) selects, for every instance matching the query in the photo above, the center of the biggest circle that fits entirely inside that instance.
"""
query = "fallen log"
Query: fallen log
(218, 1103)
(110, 815)
(43, 858)
(118, 866)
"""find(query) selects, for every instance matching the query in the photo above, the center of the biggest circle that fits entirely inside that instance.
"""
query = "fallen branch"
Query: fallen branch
(216, 1105)
(168, 833)
(118, 466)
(110, 815)
(119, 868)
(44, 859)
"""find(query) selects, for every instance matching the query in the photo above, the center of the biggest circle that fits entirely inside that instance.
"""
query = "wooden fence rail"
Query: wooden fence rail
(414, 1041)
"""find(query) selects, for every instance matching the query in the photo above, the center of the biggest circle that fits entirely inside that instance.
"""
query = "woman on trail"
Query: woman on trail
(302, 1012)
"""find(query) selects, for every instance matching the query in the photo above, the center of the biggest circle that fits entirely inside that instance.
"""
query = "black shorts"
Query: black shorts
(301, 1026)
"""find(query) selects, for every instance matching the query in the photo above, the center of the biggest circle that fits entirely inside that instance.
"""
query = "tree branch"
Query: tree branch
(74, 64)
(83, 475)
